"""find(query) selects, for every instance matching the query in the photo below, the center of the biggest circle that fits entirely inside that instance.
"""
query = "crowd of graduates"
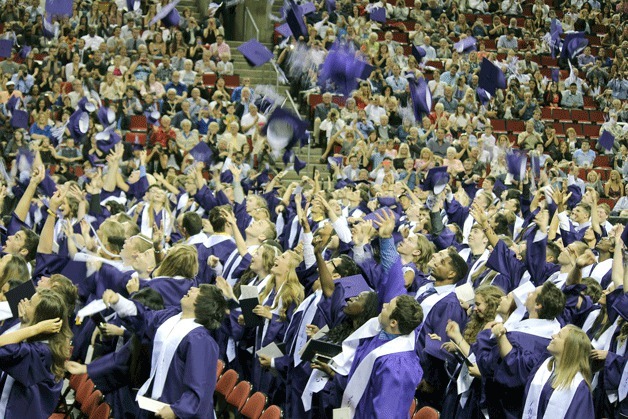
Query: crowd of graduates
(149, 233)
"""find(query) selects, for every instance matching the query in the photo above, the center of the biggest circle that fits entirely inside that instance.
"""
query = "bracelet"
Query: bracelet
(51, 213)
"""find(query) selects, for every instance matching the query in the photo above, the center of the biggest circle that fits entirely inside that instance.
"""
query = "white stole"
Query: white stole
(167, 339)
(197, 239)
(463, 383)
(361, 375)
(215, 239)
(588, 323)
(559, 401)
(478, 263)
(537, 327)
(309, 307)
(147, 229)
(428, 303)
(277, 300)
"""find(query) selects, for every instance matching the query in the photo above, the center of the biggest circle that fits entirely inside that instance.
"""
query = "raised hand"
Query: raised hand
(49, 326)
(386, 223)
(110, 297)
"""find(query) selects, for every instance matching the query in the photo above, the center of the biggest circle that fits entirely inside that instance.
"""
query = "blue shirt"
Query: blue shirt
(180, 88)
(581, 158)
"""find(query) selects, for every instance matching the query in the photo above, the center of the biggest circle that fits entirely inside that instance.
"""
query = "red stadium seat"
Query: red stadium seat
(209, 79)
(591, 130)
(272, 412)
(227, 382)
(232, 81)
(135, 138)
(103, 411)
(602, 161)
(426, 413)
(220, 367)
(581, 116)
(254, 406)
(239, 394)
(138, 123)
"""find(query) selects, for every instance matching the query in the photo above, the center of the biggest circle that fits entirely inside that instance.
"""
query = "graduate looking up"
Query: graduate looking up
(185, 381)
(561, 386)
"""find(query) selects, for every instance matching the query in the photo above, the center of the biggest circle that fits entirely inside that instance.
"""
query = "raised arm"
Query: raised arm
(47, 233)
(21, 211)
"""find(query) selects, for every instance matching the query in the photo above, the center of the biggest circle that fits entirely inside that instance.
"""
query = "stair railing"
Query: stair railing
(250, 17)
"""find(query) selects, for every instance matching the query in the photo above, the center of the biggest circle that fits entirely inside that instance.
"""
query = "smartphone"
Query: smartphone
(322, 358)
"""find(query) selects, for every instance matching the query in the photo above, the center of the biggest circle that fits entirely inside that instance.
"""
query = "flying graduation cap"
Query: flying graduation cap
(436, 179)
(284, 30)
(491, 77)
(289, 157)
(59, 7)
(106, 116)
(283, 130)
(343, 69)
(202, 153)
(50, 30)
(107, 139)
(516, 161)
(19, 119)
(168, 15)
(294, 19)
(418, 53)
(483, 96)
(133, 5)
(556, 29)
(607, 140)
(330, 5)
(378, 14)
(573, 44)
(255, 53)
(421, 97)
(6, 48)
(466, 45)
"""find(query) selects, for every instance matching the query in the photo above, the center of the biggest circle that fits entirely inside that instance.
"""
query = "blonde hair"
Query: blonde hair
(291, 291)
(492, 296)
(181, 260)
(575, 359)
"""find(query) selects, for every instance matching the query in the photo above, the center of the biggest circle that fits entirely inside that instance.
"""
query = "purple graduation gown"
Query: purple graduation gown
(171, 289)
(392, 385)
(581, 406)
(188, 389)
(35, 391)
(221, 250)
(507, 377)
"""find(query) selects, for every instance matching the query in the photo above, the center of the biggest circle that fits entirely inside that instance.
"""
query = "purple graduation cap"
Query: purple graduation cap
(624, 234)
(342, 68)
(373, 216)
(290, 157)
(255, 53)
(491, 77)
(607, 140)
(483, 96)
(106, 116)
(573, 44)
(555, 75)
(294, 19)
(12, 103)
(168, 15)
(387, 201)
(19, 119)
(152, 117)
(421, 97)
(466, 45)
(378, 14)
(499, 187)
(576, 196)
(556, 29)
(337, 160)
(86, 106)
(331, 6)
(25, 51)
(284, 30)
(107, 140)
(516, 161)
(59, 7)
(50, 30)
(202, 153)
(6, 48)
(418, 53)
(133, 5)
(353, 285)
(535, 164)
(283, 129)
(436, 179)
(78, 124)
(48, 186)
(307, 8)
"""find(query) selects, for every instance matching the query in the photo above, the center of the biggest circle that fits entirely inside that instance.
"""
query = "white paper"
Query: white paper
(342, 413)
(271, 351)
(90, 355)
(94, 307)
(321, 332)
(465, 293)
(248, 291)
(150, 404)
(5, 311)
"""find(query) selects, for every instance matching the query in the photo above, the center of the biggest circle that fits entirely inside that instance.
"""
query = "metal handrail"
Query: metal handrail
(248, 13)
(296, 110)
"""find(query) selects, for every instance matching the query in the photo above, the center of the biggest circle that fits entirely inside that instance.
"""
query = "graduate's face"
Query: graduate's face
(531, 300)
(408, 245)
(557, 344)
(282, 264)
(30, 306)
(15, 243)
(480, 306)
(439, 265)
(189, 299)
(384, 316)
(355, 305)
(505, 303)
(579, 215)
